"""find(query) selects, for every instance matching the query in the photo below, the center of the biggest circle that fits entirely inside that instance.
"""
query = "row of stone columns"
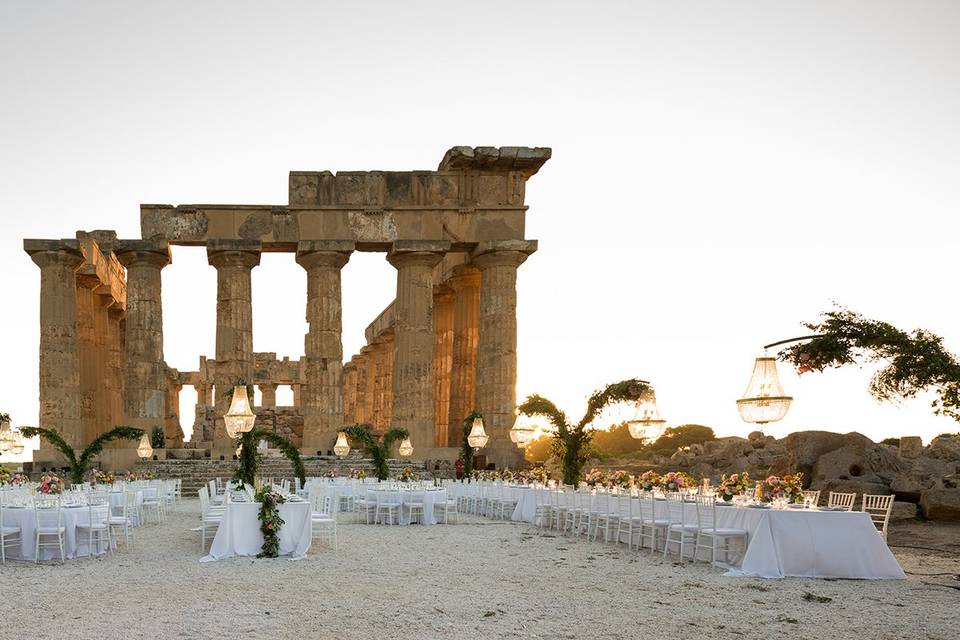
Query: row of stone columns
(454, 349)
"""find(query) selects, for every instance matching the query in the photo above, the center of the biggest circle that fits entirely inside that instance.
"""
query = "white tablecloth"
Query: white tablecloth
(790, 542)
(239, 531)
(430, 498)
(812, 544)
(73, 545)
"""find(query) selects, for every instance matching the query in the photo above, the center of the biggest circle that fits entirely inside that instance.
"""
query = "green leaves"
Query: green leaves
(79, 467)
(913, 362)
(249, 458)
(379, 452)
(571, 442)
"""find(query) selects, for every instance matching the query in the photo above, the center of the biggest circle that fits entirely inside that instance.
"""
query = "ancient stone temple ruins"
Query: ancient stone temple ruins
(444, 347)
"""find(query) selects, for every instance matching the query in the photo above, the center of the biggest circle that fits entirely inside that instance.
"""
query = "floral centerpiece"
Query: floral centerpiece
(733, 485)
(51, 485)
(507, 475)
(405, 475)
(134, 476)
(5, 477)
(358, 474)
(270, 520)
(330, 473)
(19, 479)
(620, 479)
(648, 480)
(595, 477)
(538, 474)
(789, 487)
(673, 481)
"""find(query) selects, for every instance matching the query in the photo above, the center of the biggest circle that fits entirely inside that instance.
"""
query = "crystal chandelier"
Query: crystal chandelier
(342, 447)
(523, 430)
(240, 418)
(764, 400)
(646, 424)
(478, 437)
(144, 450)
(406, 448)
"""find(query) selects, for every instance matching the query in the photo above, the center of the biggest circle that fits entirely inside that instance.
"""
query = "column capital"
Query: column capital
(427, 253)
(54, 252)
(332, 254)
(136, 252)
(443, 293)
(502, 253)
(234, 253)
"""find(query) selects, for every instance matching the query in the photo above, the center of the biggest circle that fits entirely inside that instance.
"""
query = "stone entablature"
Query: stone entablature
(447, 344)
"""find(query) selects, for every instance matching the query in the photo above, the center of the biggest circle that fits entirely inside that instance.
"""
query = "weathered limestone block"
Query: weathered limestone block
(941, 504)
(911, 447)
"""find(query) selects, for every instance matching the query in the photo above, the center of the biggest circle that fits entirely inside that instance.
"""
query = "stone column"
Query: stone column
(349, 393)
(370, 386)
(465, 283)
(360, 406)
(497, 344)
(234, 261)
(388, 355)
(59, 348)
(268, 394)
(323, 348)
(173, 432)
(377, 366)
(145, 373)
(442, 362)
(413, 331)
(297, 390)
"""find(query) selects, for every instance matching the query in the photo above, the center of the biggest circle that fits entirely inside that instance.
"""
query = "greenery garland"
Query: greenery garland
(570, 441)
(270, 521)
(466, 451)
(78, 466)
(249, 458)
(380, 452)
(913, 362)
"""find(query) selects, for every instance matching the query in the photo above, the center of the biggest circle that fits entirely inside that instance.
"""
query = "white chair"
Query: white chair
(215, 497)
(604, 514)
(178, 489)
(210, 517)
(10, 536)
(49, 525)
(152, 501)
(444, 509)
(119, 521)
(709, 535)
(414, 506)
(679, 531)
(97, 528)
(629, 520)
(812, 496)
(388, 503)
(651, 527)
(323, 525)
(879, 509)
(503, 503)
(844, 500)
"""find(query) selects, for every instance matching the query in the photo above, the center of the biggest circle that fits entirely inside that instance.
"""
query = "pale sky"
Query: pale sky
(721, 171)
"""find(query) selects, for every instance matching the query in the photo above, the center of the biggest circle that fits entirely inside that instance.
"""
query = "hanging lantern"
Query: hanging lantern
(406, 448)
(646, 423)
(523, 430)
(144, 450)
(240, 417)
(478, 437)
(342, 447)
(764, 400)
(239, 450)
(17, 448)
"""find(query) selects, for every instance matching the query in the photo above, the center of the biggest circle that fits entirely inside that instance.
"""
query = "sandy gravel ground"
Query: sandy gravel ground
(477, 579)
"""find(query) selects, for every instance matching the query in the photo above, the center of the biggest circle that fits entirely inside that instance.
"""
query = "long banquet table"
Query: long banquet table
(807, 543)
(239, 531)
(73, 545)
(430, 497)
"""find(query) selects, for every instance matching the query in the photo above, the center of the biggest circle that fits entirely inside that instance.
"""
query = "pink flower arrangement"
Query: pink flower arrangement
(51, 485)
(675, 481)
(648, 480)
(789, 487)
(733, 485)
